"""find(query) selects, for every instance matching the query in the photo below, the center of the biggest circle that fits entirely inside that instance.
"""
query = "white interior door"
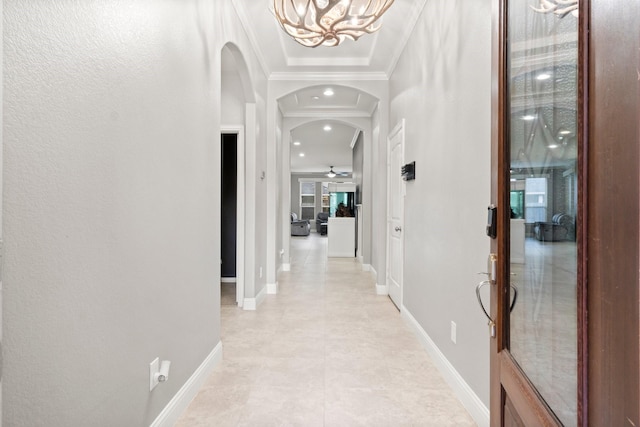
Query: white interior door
(395, 213)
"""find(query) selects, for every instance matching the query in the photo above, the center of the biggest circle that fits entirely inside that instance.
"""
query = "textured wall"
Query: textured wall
(442, 87)
(111, 204)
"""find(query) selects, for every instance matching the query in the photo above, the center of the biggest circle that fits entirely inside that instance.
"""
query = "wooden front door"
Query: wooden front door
(566, 183)
(537, 188)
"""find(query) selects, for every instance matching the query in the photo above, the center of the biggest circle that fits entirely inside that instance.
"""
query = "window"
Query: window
(325, 197)
(535, 199)
(307, 200)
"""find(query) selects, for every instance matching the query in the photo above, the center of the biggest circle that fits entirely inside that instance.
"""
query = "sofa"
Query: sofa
(299, 227)
(321, 222)
(561, 227)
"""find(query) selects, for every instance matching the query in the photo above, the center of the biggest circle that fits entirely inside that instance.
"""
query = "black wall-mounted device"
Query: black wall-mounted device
(409, 171)
(492, 221)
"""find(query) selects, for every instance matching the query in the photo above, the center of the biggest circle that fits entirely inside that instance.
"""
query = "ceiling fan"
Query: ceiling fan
(332, 173)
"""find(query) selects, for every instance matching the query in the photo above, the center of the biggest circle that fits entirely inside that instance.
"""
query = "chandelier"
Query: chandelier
(329, 22)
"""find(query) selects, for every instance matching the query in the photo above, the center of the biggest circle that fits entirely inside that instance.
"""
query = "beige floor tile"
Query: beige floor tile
(325, 351)
(283, 406)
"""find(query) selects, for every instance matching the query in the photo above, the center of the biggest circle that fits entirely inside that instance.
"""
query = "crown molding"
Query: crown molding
(244, 21)
(328, 76)
(355, 138)
(328, 61)
(409, 28)
(323, 114)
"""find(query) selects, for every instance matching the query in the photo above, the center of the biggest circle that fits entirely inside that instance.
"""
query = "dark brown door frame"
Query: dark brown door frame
(613, 229)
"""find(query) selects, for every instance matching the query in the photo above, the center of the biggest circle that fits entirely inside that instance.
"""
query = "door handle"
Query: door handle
(398, 228)
(492, 323)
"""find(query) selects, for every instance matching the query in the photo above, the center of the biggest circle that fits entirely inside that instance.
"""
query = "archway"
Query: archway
(237, 107)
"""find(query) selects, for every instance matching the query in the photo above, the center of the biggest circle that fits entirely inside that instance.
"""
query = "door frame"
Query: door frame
(505, 374)
(398, 129)
(241, 207)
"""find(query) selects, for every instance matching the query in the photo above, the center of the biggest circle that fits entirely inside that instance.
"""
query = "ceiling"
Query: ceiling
(373, 56)
(322, 148)
(375, 53)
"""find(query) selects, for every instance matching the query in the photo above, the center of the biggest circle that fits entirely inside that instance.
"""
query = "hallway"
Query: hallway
(325, 351)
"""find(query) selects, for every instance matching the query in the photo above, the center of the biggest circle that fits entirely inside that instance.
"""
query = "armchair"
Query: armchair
(321, 222)
(299, 227)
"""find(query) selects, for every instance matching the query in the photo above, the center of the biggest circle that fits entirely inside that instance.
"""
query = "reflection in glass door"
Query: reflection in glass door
(542, 58)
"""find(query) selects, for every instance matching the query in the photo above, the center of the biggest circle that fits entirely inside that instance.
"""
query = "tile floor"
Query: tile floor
(325, 351)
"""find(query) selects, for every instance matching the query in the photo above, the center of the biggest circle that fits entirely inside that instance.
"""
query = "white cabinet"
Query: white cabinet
(342, 237)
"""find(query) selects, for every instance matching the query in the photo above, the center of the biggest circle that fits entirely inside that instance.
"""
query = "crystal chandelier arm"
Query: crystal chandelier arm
(315, 22)
(553, 6)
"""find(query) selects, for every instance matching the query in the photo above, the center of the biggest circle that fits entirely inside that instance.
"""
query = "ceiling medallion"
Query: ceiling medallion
(329, 22)
(558, 7)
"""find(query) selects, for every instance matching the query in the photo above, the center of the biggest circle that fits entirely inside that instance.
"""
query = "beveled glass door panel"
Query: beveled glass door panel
(541, 133)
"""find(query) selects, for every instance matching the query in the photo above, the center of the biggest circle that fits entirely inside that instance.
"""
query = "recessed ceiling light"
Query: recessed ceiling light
(565, 132)
(296, 143)
(328, 92)
(327, 128)
(315, 97)
(528, 117)
(543, 76)
(301, 154)
(552, 146)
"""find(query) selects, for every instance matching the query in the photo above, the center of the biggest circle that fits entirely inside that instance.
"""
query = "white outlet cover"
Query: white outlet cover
(154, 367)
(453, 332)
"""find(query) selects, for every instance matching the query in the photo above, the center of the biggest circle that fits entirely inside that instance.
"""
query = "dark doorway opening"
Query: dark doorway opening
(229, 205)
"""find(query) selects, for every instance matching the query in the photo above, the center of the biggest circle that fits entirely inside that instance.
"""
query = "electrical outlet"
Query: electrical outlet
(453, 331)
(154, 367)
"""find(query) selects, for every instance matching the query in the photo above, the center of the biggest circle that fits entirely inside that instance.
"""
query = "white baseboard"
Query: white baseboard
(253, 303)
(361, 259)
(286, 266)
(366, 267)
(373, 272)
(227, 280)
(478, 411)
(272, 288)
(179, 403)
(382, 289)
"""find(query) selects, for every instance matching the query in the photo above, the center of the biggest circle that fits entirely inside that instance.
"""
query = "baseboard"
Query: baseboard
(227, 280)
(253, 303)
(478, 411)
(272, 288)
(286, 266)
(374, 273)
(382, 289)
(366, 267)
(179, 403)
(361, 259)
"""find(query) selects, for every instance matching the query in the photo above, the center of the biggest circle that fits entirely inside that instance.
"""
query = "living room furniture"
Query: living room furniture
(321, 222)
(299, 227)
(560, 228)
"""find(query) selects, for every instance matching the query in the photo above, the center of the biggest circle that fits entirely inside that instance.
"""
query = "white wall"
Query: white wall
(111, 204)
(442, 87)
